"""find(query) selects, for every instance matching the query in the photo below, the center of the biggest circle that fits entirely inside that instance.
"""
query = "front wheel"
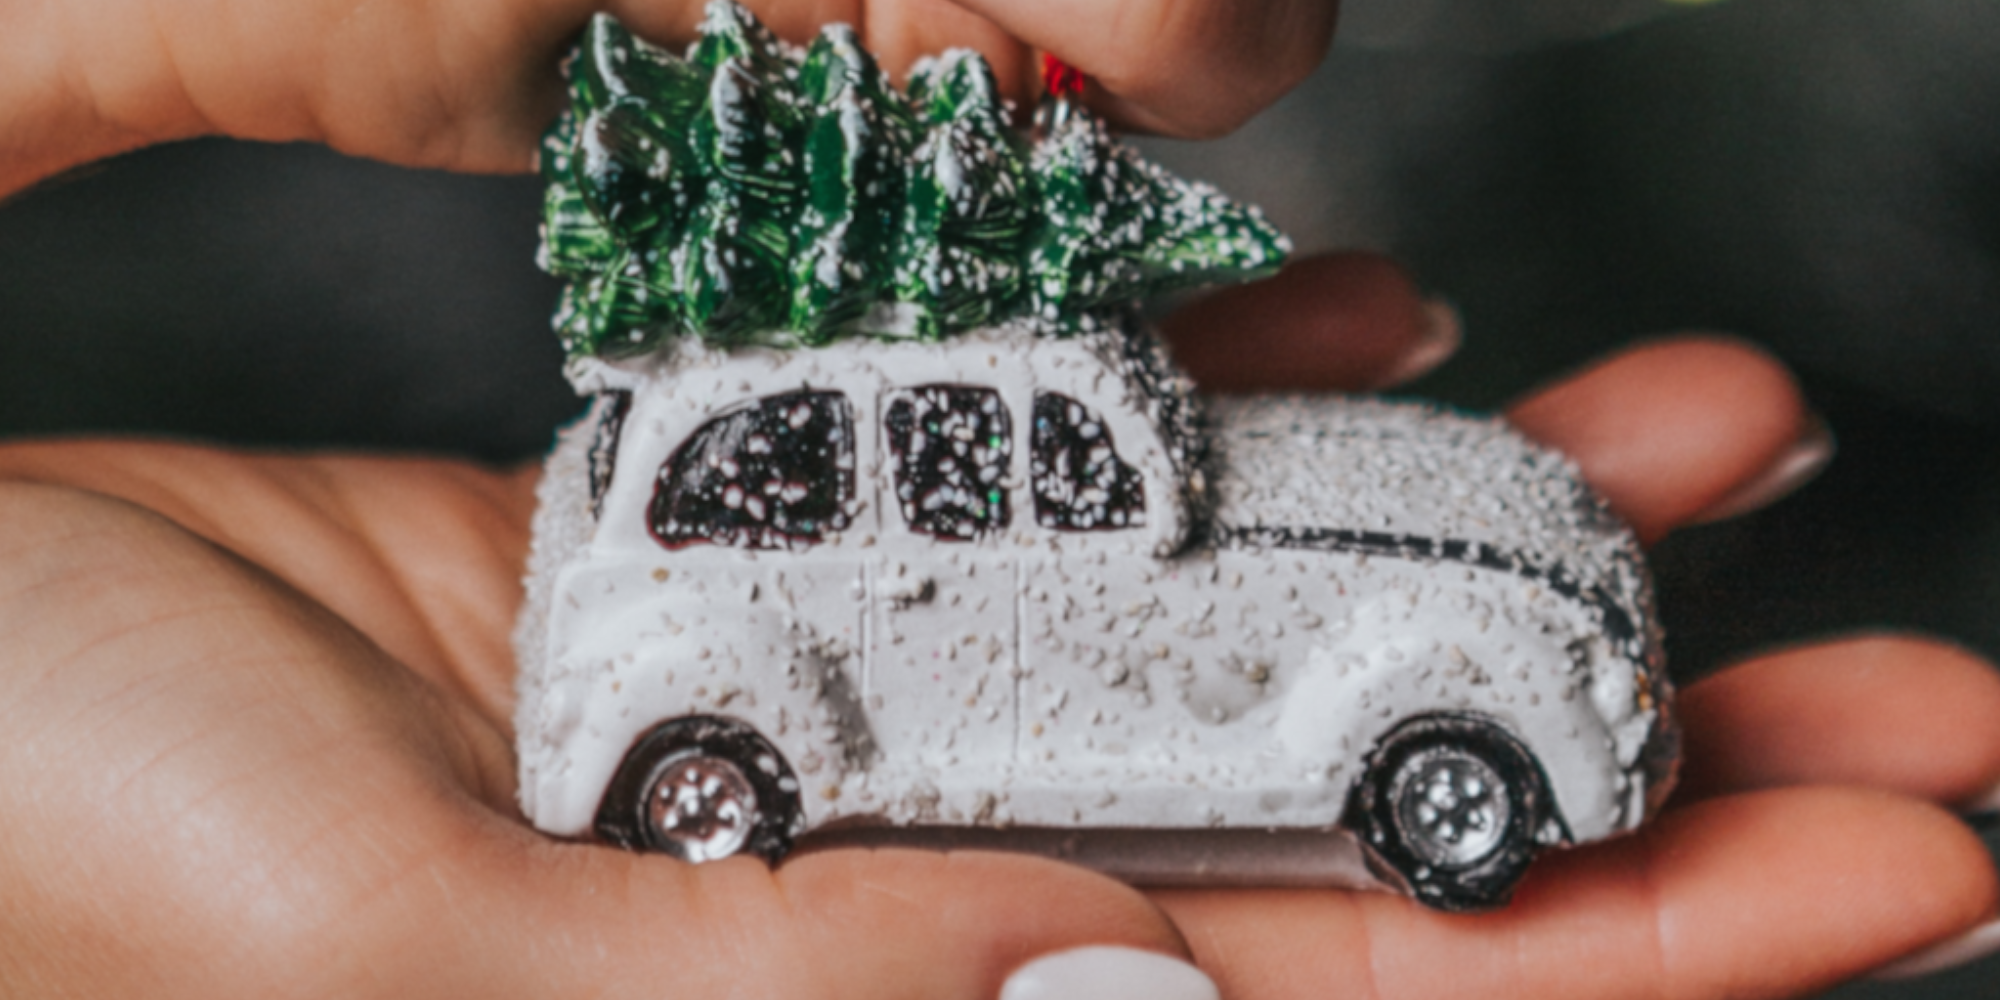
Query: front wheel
(702, 788)
(1454, 805)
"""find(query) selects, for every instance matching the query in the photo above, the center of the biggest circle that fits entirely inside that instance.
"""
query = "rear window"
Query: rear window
(1080, 483)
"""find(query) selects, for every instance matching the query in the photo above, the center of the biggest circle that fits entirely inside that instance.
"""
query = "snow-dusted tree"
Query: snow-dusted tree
(732, 263)
(858, 139)
(617, 191)
(751, 192)
(1115, 226)
(969, 209)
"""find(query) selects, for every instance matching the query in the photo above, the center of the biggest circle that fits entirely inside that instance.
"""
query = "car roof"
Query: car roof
(1412, 471)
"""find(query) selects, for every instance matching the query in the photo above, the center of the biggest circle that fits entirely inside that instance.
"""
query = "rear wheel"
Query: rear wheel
(1453, 804)
(702, 788)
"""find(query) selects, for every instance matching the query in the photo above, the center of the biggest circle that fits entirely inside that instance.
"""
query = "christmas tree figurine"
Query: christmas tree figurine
(892, 522)
(859, 135)
(754, 193)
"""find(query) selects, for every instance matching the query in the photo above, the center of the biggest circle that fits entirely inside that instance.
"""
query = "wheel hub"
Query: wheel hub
(701, 808)
(1452, 807)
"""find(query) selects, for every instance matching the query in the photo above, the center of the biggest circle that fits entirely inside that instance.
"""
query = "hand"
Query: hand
(471, 85)
(258, 713)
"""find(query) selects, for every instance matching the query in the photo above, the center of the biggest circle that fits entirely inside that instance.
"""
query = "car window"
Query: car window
(611, 410)
(951, 445)
(778, 474)
(1079, 482)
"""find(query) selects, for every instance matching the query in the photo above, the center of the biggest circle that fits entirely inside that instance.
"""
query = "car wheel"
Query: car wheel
(1453, 804)
(702, 788)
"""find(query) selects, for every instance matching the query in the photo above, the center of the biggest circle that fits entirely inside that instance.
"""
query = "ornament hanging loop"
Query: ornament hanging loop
(1062, 90)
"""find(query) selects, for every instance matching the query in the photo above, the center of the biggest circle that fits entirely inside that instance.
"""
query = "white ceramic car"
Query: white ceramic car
(1012, 590)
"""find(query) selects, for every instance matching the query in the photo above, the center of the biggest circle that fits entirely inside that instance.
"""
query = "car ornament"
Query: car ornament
(892, 522)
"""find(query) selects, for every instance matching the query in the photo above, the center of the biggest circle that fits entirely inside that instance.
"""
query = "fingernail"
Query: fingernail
(1964, 949)
(1442, 335)
(1795, 468)
(1103, 972)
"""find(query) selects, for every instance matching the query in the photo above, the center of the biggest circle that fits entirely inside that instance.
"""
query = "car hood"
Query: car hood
(1393, 473)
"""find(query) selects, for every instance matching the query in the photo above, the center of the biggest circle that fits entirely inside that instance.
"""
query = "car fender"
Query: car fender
(1400, 658)
(649, 662)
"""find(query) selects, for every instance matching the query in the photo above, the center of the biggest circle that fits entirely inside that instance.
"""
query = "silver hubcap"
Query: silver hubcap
(1452, 807)
(701, 808)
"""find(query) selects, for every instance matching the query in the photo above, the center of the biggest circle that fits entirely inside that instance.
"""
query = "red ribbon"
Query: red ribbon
(1061, 79)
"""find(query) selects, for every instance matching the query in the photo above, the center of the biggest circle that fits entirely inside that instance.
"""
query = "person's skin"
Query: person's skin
(256, 706)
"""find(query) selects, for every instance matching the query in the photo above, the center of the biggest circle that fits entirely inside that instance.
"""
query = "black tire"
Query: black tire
(716, 753)
(1453, 804)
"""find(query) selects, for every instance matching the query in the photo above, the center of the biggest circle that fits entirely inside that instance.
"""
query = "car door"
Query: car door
(942, 664)
(1091, 686)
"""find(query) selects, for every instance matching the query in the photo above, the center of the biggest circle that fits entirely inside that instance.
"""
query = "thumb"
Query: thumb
(851, 923)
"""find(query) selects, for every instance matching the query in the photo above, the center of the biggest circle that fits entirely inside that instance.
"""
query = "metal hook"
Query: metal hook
(1062, 88)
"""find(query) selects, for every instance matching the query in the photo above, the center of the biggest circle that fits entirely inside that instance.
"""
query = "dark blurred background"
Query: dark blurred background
(1819, 176)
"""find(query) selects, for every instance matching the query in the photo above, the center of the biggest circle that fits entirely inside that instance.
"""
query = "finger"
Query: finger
(1196, 69)
(1906, 715)
(443, 83)
(900, 32)
(867, 925)
(1667, 429)
(1340, 321)
(1769, 894)
(897, 32)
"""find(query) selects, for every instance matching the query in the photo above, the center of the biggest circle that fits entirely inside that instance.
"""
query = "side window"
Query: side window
(1078, 480)
(776, 475)
(952, 445)
(612, 408)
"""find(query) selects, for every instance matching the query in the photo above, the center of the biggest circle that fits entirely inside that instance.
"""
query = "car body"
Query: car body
(1016, 586)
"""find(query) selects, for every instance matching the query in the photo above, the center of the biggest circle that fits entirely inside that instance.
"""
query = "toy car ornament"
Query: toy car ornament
(890, 521)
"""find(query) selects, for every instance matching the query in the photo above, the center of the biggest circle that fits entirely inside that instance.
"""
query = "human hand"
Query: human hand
(471, 85)
(258, 714)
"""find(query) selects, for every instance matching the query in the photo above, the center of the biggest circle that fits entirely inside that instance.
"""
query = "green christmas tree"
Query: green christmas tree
(752, 193)
(958, 254)
(858, 140)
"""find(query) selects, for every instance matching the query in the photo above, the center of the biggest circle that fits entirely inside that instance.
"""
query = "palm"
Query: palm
(315, 717)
